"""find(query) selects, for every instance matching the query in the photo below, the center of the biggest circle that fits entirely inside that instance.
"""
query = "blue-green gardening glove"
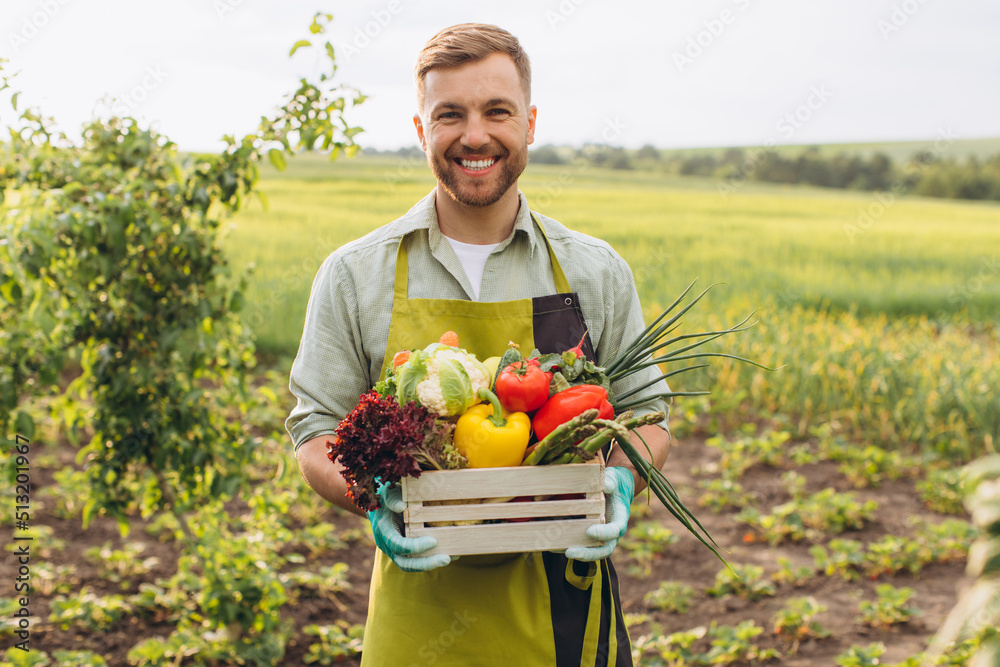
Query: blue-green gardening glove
(619, 487)
(387, 524)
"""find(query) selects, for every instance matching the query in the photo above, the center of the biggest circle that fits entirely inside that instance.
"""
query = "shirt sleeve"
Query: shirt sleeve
(624, 323)
(330, 370)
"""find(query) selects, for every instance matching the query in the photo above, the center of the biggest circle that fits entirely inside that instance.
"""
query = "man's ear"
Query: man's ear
(417, 123)
(532, 116)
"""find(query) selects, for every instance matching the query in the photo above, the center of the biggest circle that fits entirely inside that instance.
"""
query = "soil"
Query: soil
(686, 561)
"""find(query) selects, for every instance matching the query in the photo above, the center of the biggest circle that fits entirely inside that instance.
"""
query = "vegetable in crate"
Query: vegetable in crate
(443, 379)
(490, 437)
(523, 386)
(381, 441)
(569, 403)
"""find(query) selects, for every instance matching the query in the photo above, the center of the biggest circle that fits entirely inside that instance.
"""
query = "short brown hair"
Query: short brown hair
(470, 42)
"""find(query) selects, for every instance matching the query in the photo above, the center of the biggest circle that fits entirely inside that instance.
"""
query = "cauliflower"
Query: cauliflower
(443, 379)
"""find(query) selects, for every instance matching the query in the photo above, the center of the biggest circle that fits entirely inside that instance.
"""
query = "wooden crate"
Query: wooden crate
(553, 524)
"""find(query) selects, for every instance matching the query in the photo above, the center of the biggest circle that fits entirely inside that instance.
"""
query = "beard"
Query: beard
(484, 193)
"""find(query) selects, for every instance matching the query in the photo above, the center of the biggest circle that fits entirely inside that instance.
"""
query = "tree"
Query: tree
(113, 260)
(546, 154)
(648, 152)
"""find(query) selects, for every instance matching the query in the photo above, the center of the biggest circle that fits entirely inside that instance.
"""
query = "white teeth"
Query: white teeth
(476, 165)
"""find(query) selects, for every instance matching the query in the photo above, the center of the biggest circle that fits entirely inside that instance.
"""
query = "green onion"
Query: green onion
(658, 483)
(650, 348)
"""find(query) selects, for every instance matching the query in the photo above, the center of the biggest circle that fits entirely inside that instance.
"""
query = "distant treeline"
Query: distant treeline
(930, 173)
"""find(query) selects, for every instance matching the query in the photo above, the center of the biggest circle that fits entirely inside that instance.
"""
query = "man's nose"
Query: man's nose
(476, 134)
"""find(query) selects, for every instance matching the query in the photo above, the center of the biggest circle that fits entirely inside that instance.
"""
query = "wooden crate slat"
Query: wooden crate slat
(549, 533)
(503, 482)
(509, 537)
(593, 506)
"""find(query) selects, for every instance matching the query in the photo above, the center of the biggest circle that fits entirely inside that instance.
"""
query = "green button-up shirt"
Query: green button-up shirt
(347, 321)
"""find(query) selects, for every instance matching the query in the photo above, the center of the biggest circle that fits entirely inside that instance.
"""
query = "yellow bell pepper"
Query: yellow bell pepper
(489, 436)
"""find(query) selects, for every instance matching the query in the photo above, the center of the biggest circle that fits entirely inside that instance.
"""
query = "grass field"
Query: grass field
(769, 244)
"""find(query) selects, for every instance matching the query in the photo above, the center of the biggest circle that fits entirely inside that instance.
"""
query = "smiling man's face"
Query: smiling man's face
(475, 128)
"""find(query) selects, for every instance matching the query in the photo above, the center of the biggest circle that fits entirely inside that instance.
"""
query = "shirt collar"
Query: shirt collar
(423, 215)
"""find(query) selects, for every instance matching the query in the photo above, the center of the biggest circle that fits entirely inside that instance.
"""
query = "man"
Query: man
(471, 257)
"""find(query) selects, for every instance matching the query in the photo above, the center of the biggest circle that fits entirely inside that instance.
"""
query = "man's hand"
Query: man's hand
(404, 551)
(657, 439)
(621, 483)
(618, 489)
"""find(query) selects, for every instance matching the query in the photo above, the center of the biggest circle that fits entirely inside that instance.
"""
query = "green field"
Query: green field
(883, 312)
(769, 244)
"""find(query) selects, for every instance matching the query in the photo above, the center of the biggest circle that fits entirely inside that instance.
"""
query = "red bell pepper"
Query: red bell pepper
(569, 403)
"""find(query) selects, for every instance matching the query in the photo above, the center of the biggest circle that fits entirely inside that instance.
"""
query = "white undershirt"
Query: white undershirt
(473, 258)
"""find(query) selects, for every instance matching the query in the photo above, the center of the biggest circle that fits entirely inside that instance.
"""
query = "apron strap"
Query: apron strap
(399, 289)
(592, 631)
(562, 285)
(613, 617)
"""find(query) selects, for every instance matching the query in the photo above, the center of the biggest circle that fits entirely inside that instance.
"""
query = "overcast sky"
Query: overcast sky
(674, 74)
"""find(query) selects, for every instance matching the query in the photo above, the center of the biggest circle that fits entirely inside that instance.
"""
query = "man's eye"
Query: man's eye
(499, 112)
(448, 115)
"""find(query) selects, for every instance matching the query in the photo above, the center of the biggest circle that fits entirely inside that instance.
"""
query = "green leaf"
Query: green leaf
(409, 375)
(268, 394)
(316, 27)
(11, 291)
(123, 526)
(24, 425)
(277, 158)
(236, 302)
(116, 233)
(13, 100)
(456, 386)
(264, 201)
(298, 45)
(88, 512)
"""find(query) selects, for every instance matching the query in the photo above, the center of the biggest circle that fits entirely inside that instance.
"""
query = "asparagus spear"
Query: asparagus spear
(558, 436)
(584, 451)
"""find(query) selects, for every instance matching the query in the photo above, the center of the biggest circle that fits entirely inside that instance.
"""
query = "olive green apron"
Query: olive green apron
(494, 610)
